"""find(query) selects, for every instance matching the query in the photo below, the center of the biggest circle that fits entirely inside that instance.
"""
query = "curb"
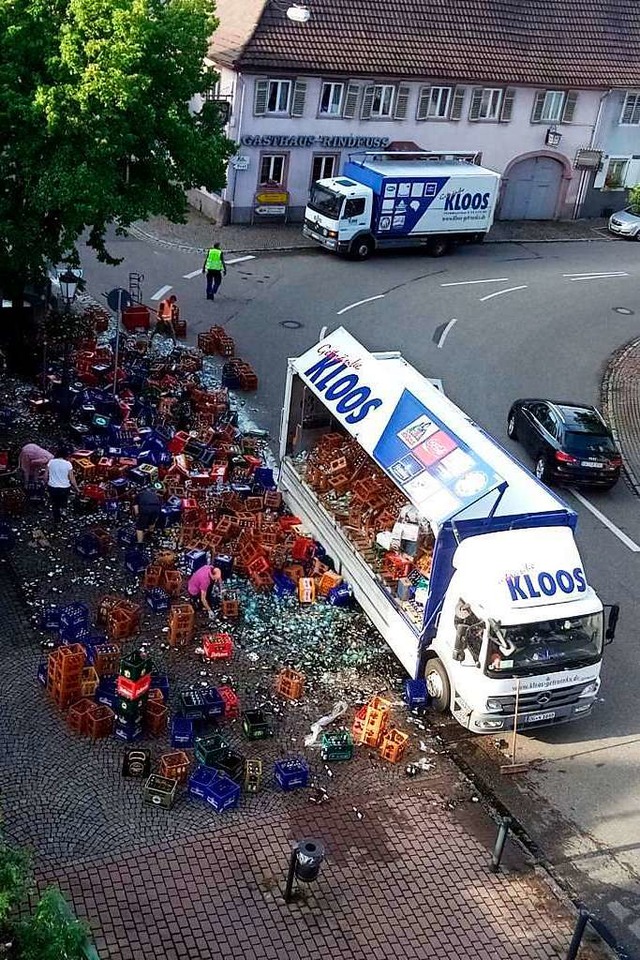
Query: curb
(301, 248)
(608, 391)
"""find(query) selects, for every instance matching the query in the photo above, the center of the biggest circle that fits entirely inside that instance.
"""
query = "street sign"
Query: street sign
(274, 211)
(240, 163)
(272, 196)
(118, 299)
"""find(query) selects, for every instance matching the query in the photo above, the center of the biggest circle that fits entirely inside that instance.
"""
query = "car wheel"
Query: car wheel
(438, 686)
(638, 235)
(362, 248)
(438, 247)
(542, 471)
(608, 486)
(512, 433)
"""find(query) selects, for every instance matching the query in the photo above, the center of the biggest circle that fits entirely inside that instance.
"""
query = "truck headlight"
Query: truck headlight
(591, 689)
(494, 706)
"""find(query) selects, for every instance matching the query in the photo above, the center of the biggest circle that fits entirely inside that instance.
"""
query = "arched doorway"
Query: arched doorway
(532, 187)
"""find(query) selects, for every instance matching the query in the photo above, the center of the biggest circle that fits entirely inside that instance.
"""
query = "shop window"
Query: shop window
(630, 114)
(331, 99)
(272, 169)
(323, 166)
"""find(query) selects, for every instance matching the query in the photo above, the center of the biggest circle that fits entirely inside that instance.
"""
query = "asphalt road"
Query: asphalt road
(540, 323)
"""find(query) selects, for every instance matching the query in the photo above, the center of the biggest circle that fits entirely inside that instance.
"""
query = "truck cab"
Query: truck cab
(518, 617)
(338, 216)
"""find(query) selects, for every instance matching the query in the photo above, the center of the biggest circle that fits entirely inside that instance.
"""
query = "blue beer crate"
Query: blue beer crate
(160, 681)
(137, 476)
(213, 703)
(291, 773)
(7, 537)
(415, 693)
(74, 614)
(136, 560)
(283, 586)
(106, 692)
(182, 732)
(199, 781)
(340, 596)
(194, 559)
(128, 735)
(264, 477)
(126, 535)
(223, 793)
(224, 562)
(158, 599)
(50, 617)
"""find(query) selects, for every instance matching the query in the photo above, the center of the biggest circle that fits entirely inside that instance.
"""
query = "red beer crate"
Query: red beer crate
(217, 646)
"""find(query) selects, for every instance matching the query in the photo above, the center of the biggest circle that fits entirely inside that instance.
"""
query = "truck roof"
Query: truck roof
(423, 168)
(444, 463)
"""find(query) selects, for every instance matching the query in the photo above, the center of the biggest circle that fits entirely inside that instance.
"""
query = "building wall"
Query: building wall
(620, 143)
(501, 143)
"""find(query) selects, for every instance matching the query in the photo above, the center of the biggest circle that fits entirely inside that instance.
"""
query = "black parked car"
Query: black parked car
(569, 442)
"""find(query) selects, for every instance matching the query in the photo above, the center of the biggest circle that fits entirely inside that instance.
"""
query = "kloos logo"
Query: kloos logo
(353, 399)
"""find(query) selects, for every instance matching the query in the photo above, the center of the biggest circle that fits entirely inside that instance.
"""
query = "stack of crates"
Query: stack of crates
(230, 606)
(371, 722)
(394, 745)
(290, 684)
(132, 688)
(64, 674)
(123, 620)
(181, 624)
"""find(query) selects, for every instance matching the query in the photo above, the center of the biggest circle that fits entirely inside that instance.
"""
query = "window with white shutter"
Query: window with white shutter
(278, 96)
(260, 94)
(486, 103)
(506, 109)
(569, 109)
(331, 97)
(630, 113)
(350, 101)
(402, 103)
(424, 97)
(378, 101)
(457, 104)
(367, 102)
(299, 96)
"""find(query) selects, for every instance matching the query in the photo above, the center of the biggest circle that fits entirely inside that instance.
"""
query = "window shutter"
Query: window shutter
(457, 103)
(507, 105)
(260, 94)
(538, 104)
(297, 101)
(476, 100)
(350, 100)
(626, 112)
(569, 106)
(402, 102)
(367, 102)
(598, 180)
(632, 175)
(423, 103)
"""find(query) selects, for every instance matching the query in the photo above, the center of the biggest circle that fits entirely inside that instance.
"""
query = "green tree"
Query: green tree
(634, 197)
(95, 123)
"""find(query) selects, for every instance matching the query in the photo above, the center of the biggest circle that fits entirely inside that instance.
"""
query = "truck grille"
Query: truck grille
(542, 699)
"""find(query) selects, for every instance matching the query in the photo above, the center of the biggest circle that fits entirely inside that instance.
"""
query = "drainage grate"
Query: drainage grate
(624, 311)
(291, 324)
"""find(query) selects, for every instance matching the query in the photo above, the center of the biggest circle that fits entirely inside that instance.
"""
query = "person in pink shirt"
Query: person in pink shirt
(32, 462)
(204, 587)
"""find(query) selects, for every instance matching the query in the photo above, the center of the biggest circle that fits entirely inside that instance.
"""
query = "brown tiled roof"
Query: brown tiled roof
(591, 43)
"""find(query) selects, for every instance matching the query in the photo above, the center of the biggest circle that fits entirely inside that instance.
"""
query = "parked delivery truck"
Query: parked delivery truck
(462, 559)
(386, 200)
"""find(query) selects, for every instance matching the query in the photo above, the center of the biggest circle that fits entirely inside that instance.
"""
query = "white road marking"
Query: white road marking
(616, 531)
(463, 283)
(159, 294)
(603, 276)
(190, 276)
(445, 333)
(240, 259)
(595, 273)
(322, 334)
(499, 293)
(358, 303)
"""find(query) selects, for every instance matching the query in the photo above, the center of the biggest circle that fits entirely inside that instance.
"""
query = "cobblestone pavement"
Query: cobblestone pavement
(199, 232)
(621, 403)
(407, 857)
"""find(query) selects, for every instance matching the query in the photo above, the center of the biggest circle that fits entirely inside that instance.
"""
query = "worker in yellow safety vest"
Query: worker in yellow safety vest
(215, 268)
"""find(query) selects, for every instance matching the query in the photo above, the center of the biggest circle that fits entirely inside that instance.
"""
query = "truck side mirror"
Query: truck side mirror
(612, 622)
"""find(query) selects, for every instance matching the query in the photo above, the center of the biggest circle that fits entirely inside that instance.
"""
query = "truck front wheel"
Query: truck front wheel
(438, 247)
(438, 686)
(362, 248)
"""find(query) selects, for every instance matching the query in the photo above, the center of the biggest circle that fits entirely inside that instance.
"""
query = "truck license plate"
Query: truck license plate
(537, 717)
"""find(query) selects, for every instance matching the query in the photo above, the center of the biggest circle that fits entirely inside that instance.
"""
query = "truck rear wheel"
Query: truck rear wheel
(362, 248)
(438, 686)
(438, 247)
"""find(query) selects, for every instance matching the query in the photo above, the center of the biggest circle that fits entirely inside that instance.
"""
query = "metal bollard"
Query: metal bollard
(578, 933)
(501, 839)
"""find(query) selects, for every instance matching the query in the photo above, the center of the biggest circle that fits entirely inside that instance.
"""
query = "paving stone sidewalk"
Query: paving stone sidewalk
(198, 233)
(621, 406)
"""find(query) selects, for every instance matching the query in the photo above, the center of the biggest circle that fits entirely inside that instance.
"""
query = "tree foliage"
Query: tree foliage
(95, 122)
(634, 197)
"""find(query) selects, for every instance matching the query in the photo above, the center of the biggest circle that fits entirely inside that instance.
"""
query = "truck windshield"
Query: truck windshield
(540, 647)
(326, 201)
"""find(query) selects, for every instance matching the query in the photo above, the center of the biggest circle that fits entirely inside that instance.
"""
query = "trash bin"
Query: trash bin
(309, 856)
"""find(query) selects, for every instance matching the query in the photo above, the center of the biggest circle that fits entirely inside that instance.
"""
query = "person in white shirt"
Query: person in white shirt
(60, 480)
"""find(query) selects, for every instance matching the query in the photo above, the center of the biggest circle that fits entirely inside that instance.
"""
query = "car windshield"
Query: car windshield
(326, 201)
(548, 645)
(588, 444)
(633, 209)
